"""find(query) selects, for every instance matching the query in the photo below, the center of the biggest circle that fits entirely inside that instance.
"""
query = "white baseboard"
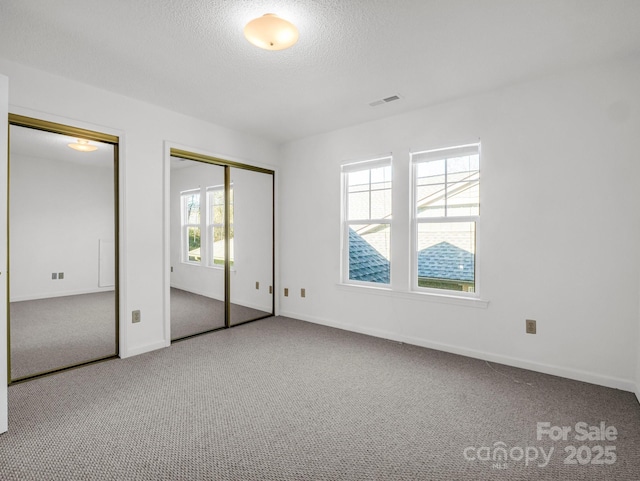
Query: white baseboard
(638, 393)
(575, 374)
(77, 292)
(235, 301)
(143, 349)
(197, 291)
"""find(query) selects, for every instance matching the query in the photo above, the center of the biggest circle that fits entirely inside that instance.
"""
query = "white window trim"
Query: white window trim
(210, 258)
(184, 229)
(346, 168)
(206, 238)
(440, 297)
(436, 154)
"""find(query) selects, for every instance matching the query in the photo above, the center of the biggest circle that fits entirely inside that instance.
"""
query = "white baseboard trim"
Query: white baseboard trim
(638, 393)
(142, 349)
(77, 292)
(575, 374)
(235, 301)
(197, 291)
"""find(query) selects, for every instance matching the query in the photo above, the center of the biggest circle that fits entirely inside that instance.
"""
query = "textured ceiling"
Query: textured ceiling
(190, 55)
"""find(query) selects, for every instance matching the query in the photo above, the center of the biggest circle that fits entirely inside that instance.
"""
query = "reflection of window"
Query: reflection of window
(366, 226)
(190, 203)
(446, 213)
(215, 225)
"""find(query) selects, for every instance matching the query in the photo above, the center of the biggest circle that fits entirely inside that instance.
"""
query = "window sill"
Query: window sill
(416, 296)
(220, 268)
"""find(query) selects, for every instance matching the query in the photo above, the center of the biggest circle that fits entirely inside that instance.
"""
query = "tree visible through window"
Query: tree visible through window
(191, 233)
(215, 225)
(203, 226)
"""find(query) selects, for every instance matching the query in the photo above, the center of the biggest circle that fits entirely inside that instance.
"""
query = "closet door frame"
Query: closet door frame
(227, 164)
(69, 130)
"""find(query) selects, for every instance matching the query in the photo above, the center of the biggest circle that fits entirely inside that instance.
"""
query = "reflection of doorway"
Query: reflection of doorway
(220, 244)
(62, 247)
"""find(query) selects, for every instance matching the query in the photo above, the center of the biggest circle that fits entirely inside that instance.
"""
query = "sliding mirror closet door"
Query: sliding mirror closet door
(197, 247)
(251, 229)
(62, 251)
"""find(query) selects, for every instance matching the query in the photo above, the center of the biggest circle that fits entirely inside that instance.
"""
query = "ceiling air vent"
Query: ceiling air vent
(384, 101)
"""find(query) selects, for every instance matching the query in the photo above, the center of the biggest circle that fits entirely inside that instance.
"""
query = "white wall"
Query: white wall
(143, 128)
(252, 194)
(4, 100)
(558, 240)
(59, 212)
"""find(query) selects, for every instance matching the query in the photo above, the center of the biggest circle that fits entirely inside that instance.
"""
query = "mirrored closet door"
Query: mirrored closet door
(62, 249)
(197, 293)
(252, 268)
(221, 244)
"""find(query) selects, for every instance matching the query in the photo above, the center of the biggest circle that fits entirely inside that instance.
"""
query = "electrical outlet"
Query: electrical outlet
(303, 292)
(531, 326)
(257, 285)
(60, 275)
(135, 316)
(286, 292)
(54, 276)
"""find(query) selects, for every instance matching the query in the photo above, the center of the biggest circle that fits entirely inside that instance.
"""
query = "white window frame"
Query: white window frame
(184, 227)
(437, 154)
(210, 237)
(345, 222)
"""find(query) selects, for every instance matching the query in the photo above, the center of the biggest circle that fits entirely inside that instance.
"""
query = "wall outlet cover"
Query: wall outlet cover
(531, 326)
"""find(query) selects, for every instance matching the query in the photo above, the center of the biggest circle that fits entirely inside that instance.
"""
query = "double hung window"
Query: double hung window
(366, 226)
(446, 212)
(202, 226)
(215, 225)
(191, 229)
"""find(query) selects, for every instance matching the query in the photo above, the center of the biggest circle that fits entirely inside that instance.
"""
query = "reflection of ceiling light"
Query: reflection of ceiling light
(83, 146)
(271, 32)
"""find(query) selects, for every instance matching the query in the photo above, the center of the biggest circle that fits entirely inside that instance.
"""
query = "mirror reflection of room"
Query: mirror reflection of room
(62, 251)
(198, 247)
(252, 276)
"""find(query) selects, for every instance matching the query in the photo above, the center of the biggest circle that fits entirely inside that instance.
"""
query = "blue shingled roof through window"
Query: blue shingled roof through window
(365, 262)
(440, 261)
(446, 261)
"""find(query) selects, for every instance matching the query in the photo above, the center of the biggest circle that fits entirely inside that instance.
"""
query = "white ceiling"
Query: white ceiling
(47, 145)
(190, 55)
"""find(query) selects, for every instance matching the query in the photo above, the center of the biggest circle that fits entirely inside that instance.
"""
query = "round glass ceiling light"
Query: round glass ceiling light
(271, 32)
(83, 146)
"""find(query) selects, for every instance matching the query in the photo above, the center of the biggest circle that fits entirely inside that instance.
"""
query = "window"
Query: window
(366, 229)
(215, 225)
(446, 212)
(191, 235)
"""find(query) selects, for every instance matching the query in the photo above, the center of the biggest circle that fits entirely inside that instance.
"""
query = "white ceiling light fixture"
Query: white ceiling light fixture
(271, 32)
(83, 146)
